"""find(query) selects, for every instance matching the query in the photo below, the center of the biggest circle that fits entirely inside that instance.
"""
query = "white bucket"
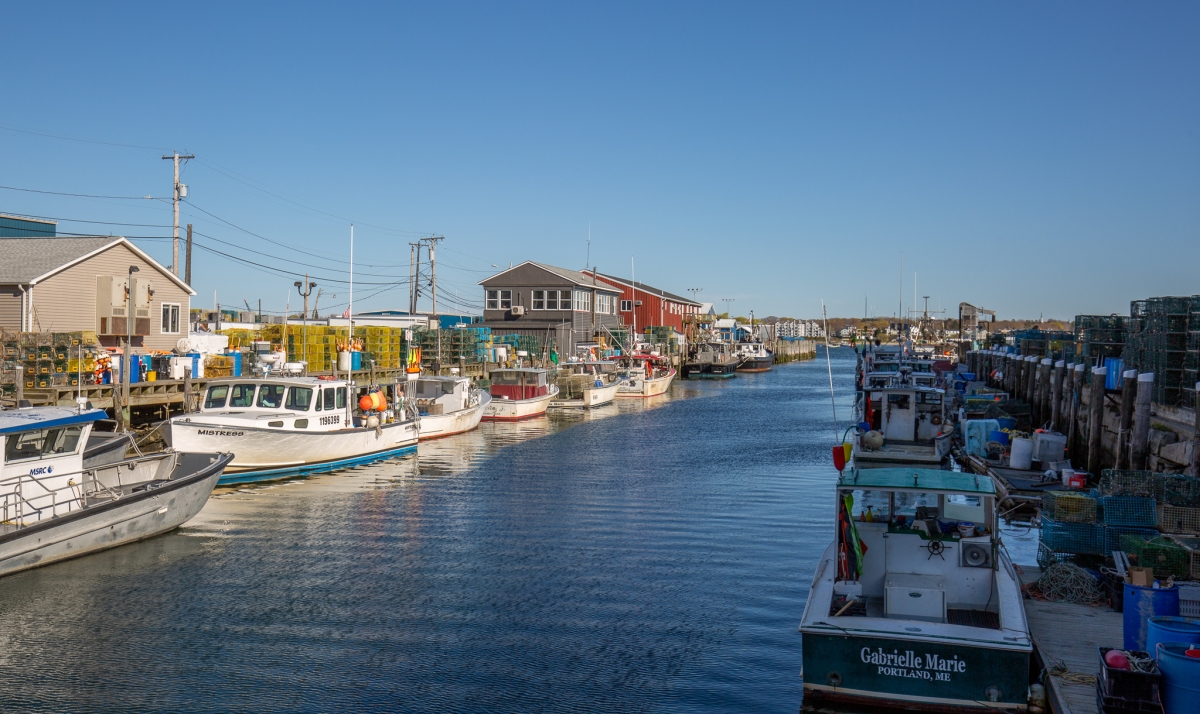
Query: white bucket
(1066, 476)
(344, 361)
(1021, 456)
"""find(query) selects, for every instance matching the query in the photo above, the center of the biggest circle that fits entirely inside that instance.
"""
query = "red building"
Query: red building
(641, 305)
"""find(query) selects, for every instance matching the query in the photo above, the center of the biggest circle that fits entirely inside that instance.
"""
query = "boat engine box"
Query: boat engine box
(1048, 446)
(907, 596)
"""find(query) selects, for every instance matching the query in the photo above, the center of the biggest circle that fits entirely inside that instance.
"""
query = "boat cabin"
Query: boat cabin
(905, 413)
(43, 460)
(649, 366)
(926, 545)
(281, 403)
(520, 383)
(440, 395)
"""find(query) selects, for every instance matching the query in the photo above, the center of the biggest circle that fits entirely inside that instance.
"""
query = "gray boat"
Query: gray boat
(54, 507)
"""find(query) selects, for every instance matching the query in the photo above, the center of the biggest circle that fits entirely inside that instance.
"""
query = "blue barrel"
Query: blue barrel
(1171, 629)
(1181, 678)
(999, 437)
(1141, 604)
(1007, 422)
(356, 360)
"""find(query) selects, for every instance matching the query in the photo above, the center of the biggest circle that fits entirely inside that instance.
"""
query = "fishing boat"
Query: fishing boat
(644, 375)
(711, 360)
(106, 447)
(754, 356)
(292, 426)
(55, 508)
(905, 424)
(585, 385)
(915, 604)
(519, 393)
(447, 405)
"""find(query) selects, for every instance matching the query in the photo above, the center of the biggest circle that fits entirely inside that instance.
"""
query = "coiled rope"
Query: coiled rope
(1066, 582)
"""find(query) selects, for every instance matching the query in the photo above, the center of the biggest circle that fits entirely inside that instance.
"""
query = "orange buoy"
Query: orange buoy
(365, 403)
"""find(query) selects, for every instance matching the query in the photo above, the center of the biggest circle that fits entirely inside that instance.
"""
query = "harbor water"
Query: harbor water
(644, 556)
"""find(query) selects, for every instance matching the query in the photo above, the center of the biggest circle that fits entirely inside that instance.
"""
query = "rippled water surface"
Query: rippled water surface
(641, 557)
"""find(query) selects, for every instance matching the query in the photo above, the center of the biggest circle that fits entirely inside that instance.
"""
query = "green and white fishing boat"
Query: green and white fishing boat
(915, 605)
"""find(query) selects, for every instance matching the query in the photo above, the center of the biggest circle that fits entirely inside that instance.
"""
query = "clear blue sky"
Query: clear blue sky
(1031, 158)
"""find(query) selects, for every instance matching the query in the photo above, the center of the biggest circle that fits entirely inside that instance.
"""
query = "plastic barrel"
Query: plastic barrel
(1141, 604)
(1171, 629)
(1181, 678)
(1007, 422)
(999, 437)
(1022, 454)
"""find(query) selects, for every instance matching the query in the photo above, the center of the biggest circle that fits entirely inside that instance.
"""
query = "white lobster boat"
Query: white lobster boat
(54, 508)
(519, 393)
(290, 426)
(447, 405)
(586, 385)
(907, 427)
(644, 376)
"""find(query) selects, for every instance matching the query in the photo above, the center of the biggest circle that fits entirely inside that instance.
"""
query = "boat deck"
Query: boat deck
(900, 452)
(1069, 634)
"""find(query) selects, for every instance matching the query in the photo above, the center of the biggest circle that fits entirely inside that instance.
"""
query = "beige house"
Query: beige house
(75, 284)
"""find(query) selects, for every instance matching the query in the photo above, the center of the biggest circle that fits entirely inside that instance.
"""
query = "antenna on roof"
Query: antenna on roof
(588, 262)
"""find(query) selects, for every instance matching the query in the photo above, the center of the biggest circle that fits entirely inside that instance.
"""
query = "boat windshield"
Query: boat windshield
(299, 399)
(217, 394)
(270, 396)
(242, 395)
(42, 443)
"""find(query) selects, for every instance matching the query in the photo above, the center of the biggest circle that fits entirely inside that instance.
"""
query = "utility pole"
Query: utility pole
(179, 191)
(187, 271)
(433, 240)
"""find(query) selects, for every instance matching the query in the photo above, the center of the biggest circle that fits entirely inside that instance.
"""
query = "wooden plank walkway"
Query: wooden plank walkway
(1070, 634)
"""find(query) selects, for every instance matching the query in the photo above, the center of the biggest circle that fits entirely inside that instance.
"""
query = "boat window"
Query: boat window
(899, 401)
(504, 378)
(242, 395)
(301, 424)
(275, 423)
(961, 507)
(329, 396)
(341, 398)
(873, 502)
(907, 503)
(270, 396)
(299, 398)
(42, 443)
(216, 397)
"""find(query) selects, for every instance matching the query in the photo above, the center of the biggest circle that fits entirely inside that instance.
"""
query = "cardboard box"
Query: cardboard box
(1140, 577)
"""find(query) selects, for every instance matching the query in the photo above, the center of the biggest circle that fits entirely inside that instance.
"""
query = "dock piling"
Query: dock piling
(1076, 402)
(1056, 388)
(187, 390)
(1045, 372)
(1095, 419)
(1141, 421)
(1128, 395)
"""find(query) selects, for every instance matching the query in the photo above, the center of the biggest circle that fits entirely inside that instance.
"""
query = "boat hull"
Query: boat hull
(269, 454)
(892, 674)
(647, 387)
(757, 364)
(437, 426)
(517, 409)
(99, 527)
(592, 397)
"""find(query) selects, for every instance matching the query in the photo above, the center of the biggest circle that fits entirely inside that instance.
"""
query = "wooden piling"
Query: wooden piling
(1056, 385)
(1073, 414)
(19, 392)
(1196, 435)
(1031, 380)
(1141, 421)
(1045, 371)
(1095, 419)
(187, 390)
(1064, 410)
(1128, 395)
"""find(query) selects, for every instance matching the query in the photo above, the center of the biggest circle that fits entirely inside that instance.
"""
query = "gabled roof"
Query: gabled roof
(643, 287)
(32, 260)
(572, 276)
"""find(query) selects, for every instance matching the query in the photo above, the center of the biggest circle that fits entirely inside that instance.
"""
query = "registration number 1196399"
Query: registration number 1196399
(326, 421)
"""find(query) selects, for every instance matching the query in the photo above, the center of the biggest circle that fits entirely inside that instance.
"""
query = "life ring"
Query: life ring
(936, 419)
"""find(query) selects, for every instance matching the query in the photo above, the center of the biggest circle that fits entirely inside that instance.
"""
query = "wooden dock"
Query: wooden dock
(1066, 634)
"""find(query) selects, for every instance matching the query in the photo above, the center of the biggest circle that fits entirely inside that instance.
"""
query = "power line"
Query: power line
(9, 127)
(77, 195)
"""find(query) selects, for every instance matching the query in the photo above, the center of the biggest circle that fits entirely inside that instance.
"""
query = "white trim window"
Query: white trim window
(499, 299)
(539, 300)
(551, 299)
(605, 304)
(169, 324)
(626, 306)
(583, 301)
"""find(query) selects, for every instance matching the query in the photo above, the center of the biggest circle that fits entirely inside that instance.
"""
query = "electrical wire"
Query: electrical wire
(77, 195)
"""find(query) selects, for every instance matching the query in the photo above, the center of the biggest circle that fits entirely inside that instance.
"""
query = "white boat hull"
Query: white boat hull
(435, 426)
(518, 409)
(262, 454)
(592, 397)
(643, 388)
(133, 517)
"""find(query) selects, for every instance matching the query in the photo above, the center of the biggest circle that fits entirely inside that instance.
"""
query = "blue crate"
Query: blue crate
(1112, 536)
(1128, 511)
(1077, 538)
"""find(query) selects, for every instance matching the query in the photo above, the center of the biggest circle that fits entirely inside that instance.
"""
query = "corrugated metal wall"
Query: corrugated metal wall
(11, 227)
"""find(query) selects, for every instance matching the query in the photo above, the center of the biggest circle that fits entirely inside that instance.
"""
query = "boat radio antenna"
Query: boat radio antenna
(829, 367)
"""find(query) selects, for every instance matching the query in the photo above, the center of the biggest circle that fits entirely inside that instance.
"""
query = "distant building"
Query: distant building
(545, 301)
(794, 329)
(24, 227)
(77, 284)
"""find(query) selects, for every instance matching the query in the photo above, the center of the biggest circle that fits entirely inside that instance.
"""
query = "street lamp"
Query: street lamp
(300, 287)
(126, 358)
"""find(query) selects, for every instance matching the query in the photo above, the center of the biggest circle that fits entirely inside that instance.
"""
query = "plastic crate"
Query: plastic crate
(1078, 538)
(1125, 684)
(1121, 705)
(1128, 511)
(1065, 507)
(1179, 519)
(1189, 599)
(1120, 482)
(1114, 536)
